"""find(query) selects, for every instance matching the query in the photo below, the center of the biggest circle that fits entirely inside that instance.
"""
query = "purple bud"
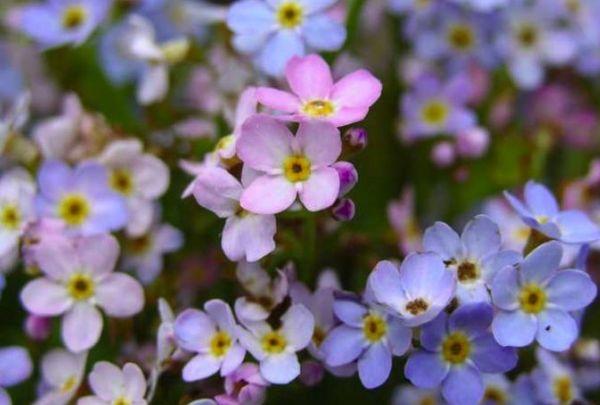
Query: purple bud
(473, 142)
(343, 210)
(348, 176)
(443, 154)
(38, 327)
(355, 139)
(311, 373)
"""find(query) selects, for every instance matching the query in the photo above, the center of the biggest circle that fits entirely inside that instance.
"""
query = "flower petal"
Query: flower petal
(557, 330)
(442, 239)
(193, 330)
(45, 298)
(490, 357)
(342, 345)
(309, 77)
(374, 365)
(514, 328)
(120, 295)
(321, 190)
(323, 33)
(81, 327)
(320, 141)
(505, 289)
(200, 366)
(249, 237)
(106, 380)
(280, 369)
(540, 200)
(134, 382)
(264, 143)
(282, 46)
(541, 263)
(571, 290)
(358, 89)
(217, 190)
(269, 195)
(277, 99)
(298, 326)
(463, 385)
(481, 237)
(425, 369)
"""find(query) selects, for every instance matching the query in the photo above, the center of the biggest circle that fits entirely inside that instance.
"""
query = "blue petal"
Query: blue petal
(251, 17)
(516, 328)
(425, 370)
(442, 239)
(343, 345)
(571, 290)
(540, 200)
(490, 357)
(481, 237)
(464, 385)
(576, 227)
(280, 48)
(557, 330)
(541, 263)
(324, 33)
(375, 365)
(474, 319)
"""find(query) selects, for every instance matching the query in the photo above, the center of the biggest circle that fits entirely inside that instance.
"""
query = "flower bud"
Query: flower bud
(38, 327)
(348, 176)
(343, 210)
(355, 139)
(443, 154)
(472, 142)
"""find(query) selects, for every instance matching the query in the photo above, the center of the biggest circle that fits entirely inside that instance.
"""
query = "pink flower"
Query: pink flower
(315, 96)
(78, 277)
(115, 386)
(244, 386)
(291, 165)
(246, 236)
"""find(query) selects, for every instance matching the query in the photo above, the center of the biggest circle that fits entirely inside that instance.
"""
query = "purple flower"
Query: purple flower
(474, 257)
(115, 386)
(212, 336)
(80, 198)
(290, 165)
(77, 277)
(367, 335)
(15, 367)
(540, 211)
(417, 291)
(247, 235)
(535, 300)
(244, 386)
(554, 381)
(275, 348)
(62, 373)
(456, 349)
(59, 22)
(410, 395)
(434, 108)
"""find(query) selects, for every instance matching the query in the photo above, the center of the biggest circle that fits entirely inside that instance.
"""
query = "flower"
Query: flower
(456, 349)
(474, 257)
(315, 95)
(212, 335)
(417, 291)
(514, 232)
(145, 253)
(554, 381)
(275, 31)
(58, 22)
(289, 165)
(403, 219)
(541, 212)
(534, 300)
(264, 293)
(433, 107)
(166, 344)
(79, 198)
(247, 235)
(367, 335)
(275, 348)
(139, 177)
(17, 209)
(115, 386)
(139, 44)
(15, 367)
(244, 386)
(62, 372)
(77, 277)
(497, 389)
(410, 395)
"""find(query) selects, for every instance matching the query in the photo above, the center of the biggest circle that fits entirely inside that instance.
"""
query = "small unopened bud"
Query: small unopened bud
(311, 373)
(348, 176)
(38, 327)
(443, 154)
(473, 142)
(343, 210)
(355, 139)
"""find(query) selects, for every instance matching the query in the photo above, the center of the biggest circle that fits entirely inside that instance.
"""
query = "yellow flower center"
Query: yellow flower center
(417, 306)
(10, 217)
(435, 112)
(563, 389)
(74, 16)
(296, 168)
(290, 14)
(69, 384)
(80, 286)
(461, 37)
(175, 51)
(121, 180)
(495, 395)
(318, 108)
(318, 336)
(467, 272)
(220, 344)
(532, 299)
(456, 348)
(139, 245)
(273, 342)
(427, 400)
(74, 209)
(122, 401)
(374, 327)
(527, 35)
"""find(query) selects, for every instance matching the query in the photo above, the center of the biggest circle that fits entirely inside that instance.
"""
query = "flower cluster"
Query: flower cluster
(182, 221)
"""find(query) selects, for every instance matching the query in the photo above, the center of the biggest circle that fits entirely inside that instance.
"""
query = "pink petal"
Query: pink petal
(348, 115)
(120, 295)
(321, 189)
(277, 99)
(134, 381)
(245, 108)
(45, 298)
(249, 238)
(309, 77)
(217, 190)
(98, 254)
(81, 327)
(264, 143)
(357, 89)
(151, 176)
(269, 195)
(57, 258)
(106, 380)
(320, 141)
